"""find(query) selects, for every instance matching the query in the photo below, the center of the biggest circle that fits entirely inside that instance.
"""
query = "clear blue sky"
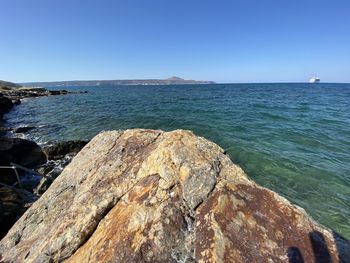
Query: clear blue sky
(224, 41)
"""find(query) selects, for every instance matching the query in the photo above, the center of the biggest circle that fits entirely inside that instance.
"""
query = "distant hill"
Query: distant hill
(169, 81)
(8, 85)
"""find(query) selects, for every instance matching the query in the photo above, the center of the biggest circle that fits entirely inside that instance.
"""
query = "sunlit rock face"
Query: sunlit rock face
(154, 196)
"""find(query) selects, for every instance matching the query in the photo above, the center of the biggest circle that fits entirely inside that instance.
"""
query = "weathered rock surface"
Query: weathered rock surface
(153, 196)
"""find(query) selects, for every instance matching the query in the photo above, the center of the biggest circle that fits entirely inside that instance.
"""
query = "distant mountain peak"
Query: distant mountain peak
(174, 78)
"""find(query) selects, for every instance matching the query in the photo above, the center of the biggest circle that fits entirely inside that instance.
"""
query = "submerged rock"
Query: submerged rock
(58, 92)
(23, 129)
(153, 196)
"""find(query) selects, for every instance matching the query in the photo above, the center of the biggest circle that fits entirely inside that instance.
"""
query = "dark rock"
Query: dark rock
(11, 205)
(54, 92)
(3, 130)
(5, 105)
(19, 151)
(23, 129)
(17, 94)
(59, 150)
(47, 167)
(58, 92)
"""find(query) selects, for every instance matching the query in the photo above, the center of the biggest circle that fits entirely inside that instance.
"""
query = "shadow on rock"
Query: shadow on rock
(319, 246)
(320, 249)
(294, 255)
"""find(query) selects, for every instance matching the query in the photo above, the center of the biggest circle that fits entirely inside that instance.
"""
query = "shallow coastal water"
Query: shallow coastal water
(291, 138)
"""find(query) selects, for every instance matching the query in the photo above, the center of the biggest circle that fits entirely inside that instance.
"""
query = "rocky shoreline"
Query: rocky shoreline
(27, 92)
(46, 163)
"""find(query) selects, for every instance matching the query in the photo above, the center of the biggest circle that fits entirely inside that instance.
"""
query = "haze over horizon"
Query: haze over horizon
(221, 41)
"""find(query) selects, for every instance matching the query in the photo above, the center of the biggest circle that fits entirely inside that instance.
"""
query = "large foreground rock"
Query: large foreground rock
(152, 196)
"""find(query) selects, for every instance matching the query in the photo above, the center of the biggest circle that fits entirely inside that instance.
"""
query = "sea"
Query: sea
(291, 138)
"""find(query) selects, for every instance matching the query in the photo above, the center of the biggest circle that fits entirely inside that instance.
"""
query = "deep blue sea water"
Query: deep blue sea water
(291, 138)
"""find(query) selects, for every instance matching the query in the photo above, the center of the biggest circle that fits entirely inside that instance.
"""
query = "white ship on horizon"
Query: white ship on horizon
(314, 80)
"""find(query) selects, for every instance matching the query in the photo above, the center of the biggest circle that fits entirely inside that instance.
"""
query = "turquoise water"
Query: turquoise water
(291, 138)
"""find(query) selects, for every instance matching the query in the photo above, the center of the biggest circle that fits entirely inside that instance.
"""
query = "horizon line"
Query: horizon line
(215, 82)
